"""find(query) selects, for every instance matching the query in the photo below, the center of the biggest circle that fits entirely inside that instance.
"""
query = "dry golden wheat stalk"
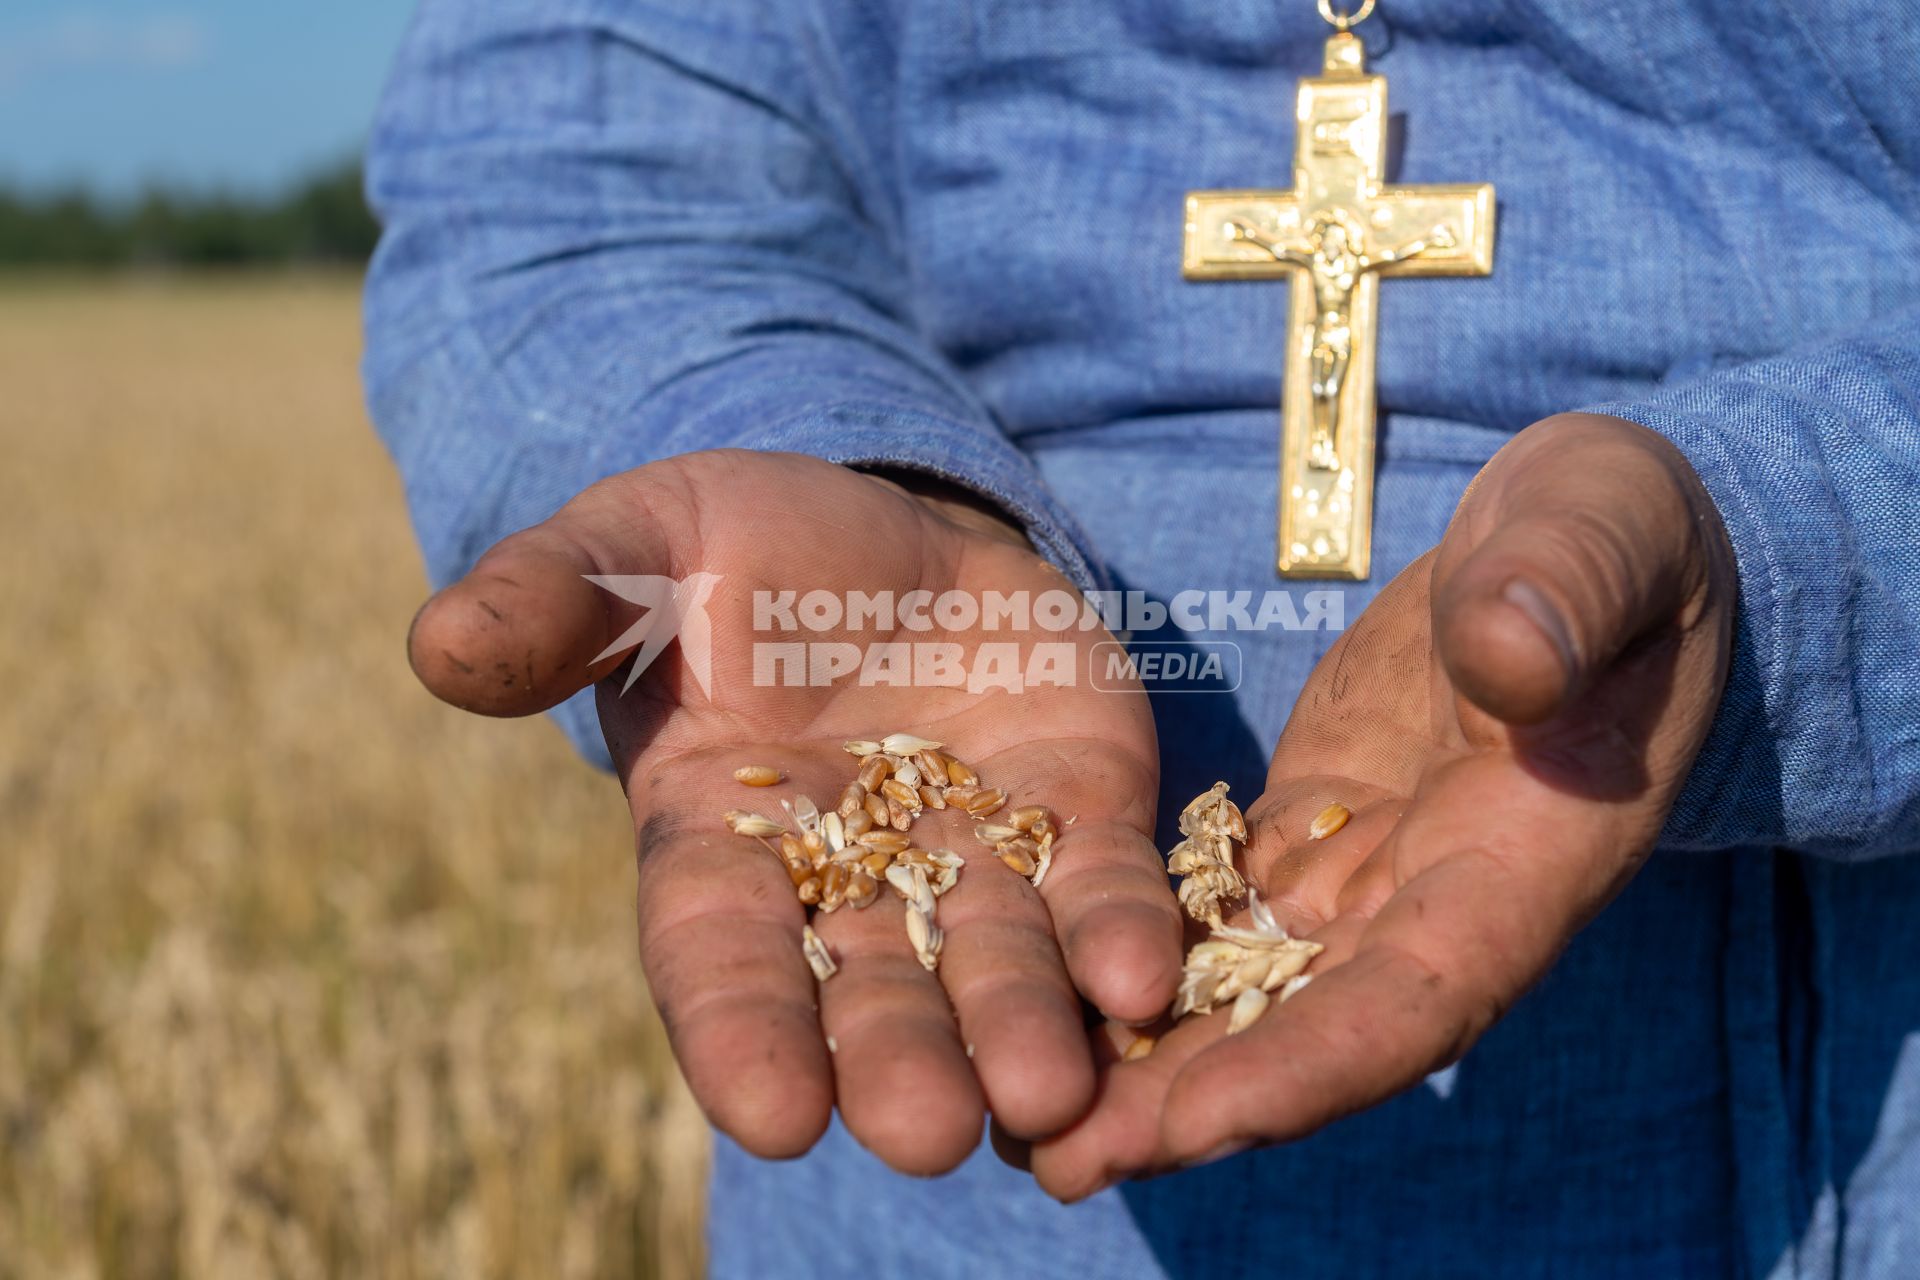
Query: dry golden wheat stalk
(302, 973)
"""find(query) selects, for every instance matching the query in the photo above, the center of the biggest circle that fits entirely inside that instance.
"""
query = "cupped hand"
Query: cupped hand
(917, 1057)
(1509, 723)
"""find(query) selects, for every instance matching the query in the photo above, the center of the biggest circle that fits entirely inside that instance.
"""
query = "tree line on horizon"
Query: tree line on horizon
(323, 220)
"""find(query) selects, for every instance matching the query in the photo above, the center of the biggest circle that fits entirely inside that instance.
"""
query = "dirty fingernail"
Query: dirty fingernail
(1527, 598)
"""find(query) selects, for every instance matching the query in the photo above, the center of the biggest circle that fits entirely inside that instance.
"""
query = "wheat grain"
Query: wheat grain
(932, 766)
(899, 817)
(900, 878)
(923, 897)
(1034, 819)
(926, 937)
(840, 857)
(1023, 818)
(874, 770)
(804, 812)
(1247, 1008)
(948, 864)
(758, 775)
(1024, 844)
(742, 823)
(1017, 858)
(985, 803)
(1044, 860)
(1328, 821)
(833, 887)
(819, 959)
(884, 840)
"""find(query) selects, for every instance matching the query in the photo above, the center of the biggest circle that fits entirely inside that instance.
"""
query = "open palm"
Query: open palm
(1509, 754)
(916, 1057)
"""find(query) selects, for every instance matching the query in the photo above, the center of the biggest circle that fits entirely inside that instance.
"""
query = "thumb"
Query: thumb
(1580, 537)
(526, 628)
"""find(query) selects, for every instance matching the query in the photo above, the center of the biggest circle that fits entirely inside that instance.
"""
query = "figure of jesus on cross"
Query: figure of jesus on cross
(1336, 232)
(1336, 257)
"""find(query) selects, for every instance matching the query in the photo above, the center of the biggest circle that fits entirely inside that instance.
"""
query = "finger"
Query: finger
(720, 938)
(1357, 1034)
(1112, 906)
(1119, 1136)
(1309, 875)
(1118, 921)
(521, 631)
(1592, 541)
(1019, 1015)
(1475, 923)
(1015, 1152)
(906, 1090)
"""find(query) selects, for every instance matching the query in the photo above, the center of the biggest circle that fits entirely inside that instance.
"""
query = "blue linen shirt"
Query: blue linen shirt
(945, 236)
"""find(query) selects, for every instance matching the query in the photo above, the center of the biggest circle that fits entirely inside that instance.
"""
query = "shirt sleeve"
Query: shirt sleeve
(615, 231)
(1813, 458)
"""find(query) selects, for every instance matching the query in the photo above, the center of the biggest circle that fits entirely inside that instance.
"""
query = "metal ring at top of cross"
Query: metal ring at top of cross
(1345, 21)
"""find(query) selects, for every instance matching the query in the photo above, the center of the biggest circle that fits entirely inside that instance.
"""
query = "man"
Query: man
(846, 295)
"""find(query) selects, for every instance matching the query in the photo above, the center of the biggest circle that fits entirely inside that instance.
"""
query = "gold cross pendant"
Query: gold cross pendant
(1335, 234)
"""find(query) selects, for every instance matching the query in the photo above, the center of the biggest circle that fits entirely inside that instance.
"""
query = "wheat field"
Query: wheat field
(301, 974)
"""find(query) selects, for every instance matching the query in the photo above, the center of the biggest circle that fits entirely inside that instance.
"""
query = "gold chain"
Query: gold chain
(1345, 21)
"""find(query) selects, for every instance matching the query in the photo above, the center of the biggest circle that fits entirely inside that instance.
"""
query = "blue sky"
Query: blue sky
(246, 95)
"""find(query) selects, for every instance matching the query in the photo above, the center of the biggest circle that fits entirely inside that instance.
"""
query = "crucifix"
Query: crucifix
(1335, 234)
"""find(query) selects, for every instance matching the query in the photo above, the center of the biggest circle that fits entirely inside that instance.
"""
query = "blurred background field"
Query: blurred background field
(301, 973)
